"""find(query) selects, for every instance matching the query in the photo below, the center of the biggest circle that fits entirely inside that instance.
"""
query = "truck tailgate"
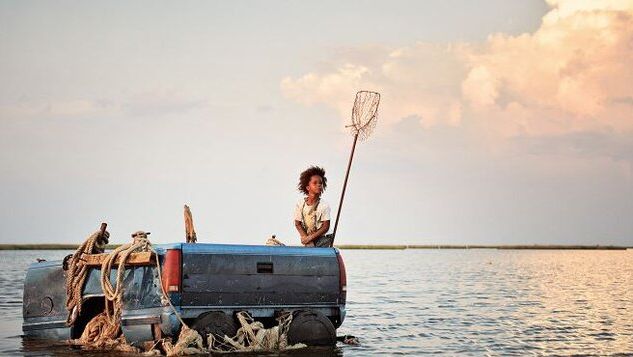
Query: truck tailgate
(239, 275)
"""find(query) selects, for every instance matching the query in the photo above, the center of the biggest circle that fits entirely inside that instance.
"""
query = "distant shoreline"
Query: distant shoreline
(369, 247)
(475, 246)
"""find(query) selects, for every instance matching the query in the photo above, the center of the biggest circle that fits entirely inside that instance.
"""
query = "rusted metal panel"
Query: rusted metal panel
(44, 291)
(229, 275)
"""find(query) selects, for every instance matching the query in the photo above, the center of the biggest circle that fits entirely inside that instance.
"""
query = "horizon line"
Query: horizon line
(55, 246)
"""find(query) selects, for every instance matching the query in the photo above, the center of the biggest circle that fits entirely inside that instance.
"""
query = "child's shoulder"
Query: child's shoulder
(323, 204)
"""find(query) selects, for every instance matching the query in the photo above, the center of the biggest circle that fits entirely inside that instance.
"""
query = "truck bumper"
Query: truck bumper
(147, 324)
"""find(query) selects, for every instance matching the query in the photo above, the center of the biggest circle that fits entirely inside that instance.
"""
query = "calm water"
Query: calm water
(471, 302)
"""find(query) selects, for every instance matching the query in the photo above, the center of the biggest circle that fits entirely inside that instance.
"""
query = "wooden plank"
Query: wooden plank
(135, 259)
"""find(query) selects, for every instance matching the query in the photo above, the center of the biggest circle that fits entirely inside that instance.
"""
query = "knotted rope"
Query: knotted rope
(104, 330)
(114, 293)
(77, 273)
(253, 337)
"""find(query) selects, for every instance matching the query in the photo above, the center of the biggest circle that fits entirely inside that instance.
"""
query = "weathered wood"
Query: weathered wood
(190, 232)
(135, 259)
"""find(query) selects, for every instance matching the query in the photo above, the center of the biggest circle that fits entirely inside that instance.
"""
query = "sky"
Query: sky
(501, 122)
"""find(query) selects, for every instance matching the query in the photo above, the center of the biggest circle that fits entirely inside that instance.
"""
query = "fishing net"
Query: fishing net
(253, 337)
(364, 114)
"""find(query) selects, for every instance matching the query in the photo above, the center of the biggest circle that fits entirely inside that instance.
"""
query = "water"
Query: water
(469, 302)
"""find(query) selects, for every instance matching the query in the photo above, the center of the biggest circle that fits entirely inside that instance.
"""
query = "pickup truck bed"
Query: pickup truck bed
(200, 278)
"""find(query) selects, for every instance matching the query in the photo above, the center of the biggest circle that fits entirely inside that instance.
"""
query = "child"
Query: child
(312, 215)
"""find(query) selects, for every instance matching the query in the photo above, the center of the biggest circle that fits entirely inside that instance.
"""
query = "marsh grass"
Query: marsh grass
(444, 246)
(46, 246)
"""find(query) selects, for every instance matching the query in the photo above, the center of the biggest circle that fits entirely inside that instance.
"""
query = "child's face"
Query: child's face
(315, 186)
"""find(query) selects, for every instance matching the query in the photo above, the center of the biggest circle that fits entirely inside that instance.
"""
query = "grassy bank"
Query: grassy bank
(380, 246)
(443, 246)
(362, 246)
(45, 246)
(38, 246)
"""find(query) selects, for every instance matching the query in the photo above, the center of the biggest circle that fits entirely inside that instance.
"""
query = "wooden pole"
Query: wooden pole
(190, 232)
(103, 228)
(340, 204)
(102, 241)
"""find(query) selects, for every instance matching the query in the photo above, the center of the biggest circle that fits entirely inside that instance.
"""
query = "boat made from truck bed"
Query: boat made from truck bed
(203, 281)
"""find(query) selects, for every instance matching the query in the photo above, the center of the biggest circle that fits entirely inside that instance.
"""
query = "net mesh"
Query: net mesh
(364, 114)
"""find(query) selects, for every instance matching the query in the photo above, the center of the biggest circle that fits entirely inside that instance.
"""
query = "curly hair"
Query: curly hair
(304, 178)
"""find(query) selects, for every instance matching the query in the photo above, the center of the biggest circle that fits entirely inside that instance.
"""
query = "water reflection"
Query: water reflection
(470, 302)
(41, 348)
(491, 302)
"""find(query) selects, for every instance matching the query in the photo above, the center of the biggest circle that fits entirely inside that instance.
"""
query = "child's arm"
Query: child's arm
(297, 219)
(319, 232)
(302, 232)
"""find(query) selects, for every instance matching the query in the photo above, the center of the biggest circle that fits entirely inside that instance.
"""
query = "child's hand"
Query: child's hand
(306, 239)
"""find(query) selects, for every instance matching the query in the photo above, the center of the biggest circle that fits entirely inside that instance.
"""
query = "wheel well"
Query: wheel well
(90, 308)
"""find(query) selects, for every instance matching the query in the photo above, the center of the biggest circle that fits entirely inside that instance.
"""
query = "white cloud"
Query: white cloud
(157, 103)
(67, 108)
(572, 74)
(154, 103)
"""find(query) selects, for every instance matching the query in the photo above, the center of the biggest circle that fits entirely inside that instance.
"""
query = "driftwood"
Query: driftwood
(190, 232)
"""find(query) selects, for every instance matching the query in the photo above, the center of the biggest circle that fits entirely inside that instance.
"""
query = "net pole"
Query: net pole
(340, 204)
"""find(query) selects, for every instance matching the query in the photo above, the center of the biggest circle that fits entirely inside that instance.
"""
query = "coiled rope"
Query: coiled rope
(77, 273)
(104, 330)
(114, 293)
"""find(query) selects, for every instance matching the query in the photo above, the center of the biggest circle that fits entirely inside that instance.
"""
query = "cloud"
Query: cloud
(421, 80)
(155, 103)
(580, 144)
(161, 103)
(573, 74)
(66, 108)
(574, 66)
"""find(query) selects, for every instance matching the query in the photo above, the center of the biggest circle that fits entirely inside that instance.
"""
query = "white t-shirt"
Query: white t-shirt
(322, 211)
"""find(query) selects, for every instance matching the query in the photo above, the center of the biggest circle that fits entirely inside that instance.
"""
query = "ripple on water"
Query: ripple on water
(467, 302)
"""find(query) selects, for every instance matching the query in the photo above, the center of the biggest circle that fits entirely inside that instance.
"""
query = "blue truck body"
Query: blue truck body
(261, 280)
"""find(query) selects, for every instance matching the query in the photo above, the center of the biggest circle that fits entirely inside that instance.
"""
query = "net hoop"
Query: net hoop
(364, 114)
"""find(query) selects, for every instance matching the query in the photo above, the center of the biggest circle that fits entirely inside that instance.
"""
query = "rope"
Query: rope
(253, 337)
(114, 294)
(76, 276)
(104, 330)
